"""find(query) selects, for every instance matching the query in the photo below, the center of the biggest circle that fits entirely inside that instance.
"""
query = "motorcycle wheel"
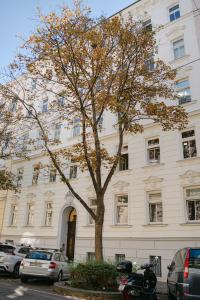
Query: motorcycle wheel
(127, 296)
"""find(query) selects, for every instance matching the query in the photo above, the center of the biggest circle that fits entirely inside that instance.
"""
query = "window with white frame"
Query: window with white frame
(20, 172)
(153, 150)
(93, 206)
(13, 106)
(155, 207)
(30, 214)
(57, 132)
(76, 127)
(36, 172)
(183, 90)
(39, 138)
(73, 172)
(13, 220)
(119, 258)
(147, 25)
(192, 197)
(150, 63)
(52, 174)
(24, 141)
(174, 13)
(122, 210)
(33, 84)
(45, 105)
(179, 48)
(61, 101)
(48, 214)
(123, 162)
(189, 144)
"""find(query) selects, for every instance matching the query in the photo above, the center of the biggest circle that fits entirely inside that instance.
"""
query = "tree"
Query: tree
(92, 67)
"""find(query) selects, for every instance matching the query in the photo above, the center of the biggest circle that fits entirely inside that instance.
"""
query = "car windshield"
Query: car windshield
(39, 255)
(195, 258)
(7, 249)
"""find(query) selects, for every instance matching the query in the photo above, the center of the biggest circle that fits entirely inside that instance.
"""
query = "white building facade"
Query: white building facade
(153, 201)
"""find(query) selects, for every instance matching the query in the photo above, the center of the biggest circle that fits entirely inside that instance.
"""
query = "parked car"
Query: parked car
(183, 279)
(44, 263)
(11, 257)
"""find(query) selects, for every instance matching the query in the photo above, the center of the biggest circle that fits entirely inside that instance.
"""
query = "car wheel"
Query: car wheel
(24, 279)
(60, 276)
(16, 270)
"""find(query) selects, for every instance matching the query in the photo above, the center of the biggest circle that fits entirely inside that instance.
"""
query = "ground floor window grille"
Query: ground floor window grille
(93, 206)
(49, 213)
(193, 204)
(13, 221)
(90, 256)
(30, 214)
(157, 265)
(122, 210)
(73, 172)
(119, 258)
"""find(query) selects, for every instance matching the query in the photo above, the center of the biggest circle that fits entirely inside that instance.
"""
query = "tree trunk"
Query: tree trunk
(98, 241)
(99, 228)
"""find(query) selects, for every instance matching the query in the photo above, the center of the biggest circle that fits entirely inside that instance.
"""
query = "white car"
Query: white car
(11, 257)
(44, 263)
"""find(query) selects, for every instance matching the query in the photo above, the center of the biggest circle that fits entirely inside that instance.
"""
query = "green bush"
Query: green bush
(95, 276)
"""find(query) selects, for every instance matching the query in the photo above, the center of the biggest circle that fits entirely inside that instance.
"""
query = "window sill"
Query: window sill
(12, 226)
(123, 171)
(29, 226)
(121, 226)
(155, 225)
(156, 164)
(188, 103)
(188, 159)
(179, 60)
(89, 226)
(190, 224)
(46, 226)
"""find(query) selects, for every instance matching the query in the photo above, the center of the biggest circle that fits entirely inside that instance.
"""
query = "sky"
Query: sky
(18, 18)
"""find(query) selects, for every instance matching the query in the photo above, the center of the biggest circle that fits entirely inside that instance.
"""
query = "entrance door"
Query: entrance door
(71, 234)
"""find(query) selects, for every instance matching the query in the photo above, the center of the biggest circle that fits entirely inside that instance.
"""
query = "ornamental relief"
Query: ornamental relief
(153, 183)
(120, 187)
(190, 177)
(49, 194)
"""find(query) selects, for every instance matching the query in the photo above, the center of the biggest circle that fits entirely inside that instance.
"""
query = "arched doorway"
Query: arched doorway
(71, 234)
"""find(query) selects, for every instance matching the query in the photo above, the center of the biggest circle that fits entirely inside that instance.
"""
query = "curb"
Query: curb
(63, 289)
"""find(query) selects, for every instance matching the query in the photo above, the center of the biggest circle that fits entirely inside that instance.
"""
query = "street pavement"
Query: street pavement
(35, 290)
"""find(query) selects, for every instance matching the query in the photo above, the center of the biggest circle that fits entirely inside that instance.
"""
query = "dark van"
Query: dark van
(183, 279)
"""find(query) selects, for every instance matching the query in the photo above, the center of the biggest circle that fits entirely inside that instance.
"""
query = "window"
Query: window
(61, 101)
(192, 196)
(13, 106)
(30, 214)
(153, 151)
(20, 172)
(179, 49)
(73, 172)
(24, 142)
(183, 90)
(90, 256)
(149, 63)
(147, 25)
(52, 174)
(39, 139)
(155, 208)
(13, 215)
(174, 13)
(189, 144)
(34, 84)
(119, 258)
(48, 214)
(157, 265)
(57, 132)
(45, 105)
(123, 162)
(76, 127)
(93, 206)
(122, 210)
(35, 177)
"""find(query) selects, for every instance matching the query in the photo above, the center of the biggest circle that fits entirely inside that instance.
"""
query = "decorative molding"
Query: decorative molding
(175, 32)
(153, 183)
(30, 196)
(120, 186)
(190, 177)
(49, 194)
(15, 198)
(69, 198)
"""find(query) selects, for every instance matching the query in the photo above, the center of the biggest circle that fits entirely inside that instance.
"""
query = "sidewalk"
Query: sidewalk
(162, 288)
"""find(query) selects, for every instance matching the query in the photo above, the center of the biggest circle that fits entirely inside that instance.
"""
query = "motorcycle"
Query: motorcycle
(134, 285)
